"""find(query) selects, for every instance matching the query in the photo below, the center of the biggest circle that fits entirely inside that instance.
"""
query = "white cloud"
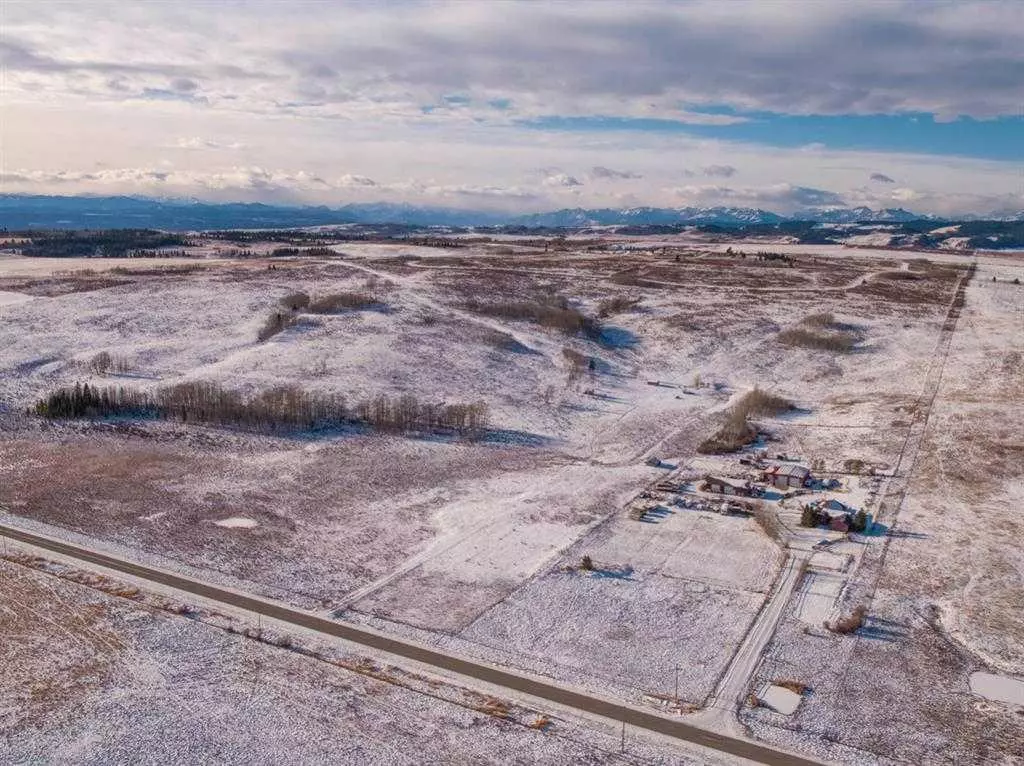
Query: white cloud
(652, 59)
(784, 198)
(195, 142)
(562, 179)
(599, 171)
(312, 102)
(719, 171)
(349, 180)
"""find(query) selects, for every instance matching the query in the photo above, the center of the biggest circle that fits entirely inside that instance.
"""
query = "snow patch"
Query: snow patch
(998, 688)
(8, 298)
(237, 522)
(779, 698)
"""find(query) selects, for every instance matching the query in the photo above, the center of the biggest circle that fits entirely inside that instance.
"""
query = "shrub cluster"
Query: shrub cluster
(851, 623)
(295, 301)
(807, 337)
(329, 304)
(281, 407)
(103, 363)
(276, 322)
(616, 305)
(737, 430)
(554, 312)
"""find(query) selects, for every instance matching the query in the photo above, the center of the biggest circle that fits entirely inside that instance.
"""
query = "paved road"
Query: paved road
(638, 717)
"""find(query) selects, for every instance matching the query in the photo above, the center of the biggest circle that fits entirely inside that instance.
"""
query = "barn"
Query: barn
(786, 475)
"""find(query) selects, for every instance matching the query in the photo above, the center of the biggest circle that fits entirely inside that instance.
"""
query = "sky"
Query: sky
(519, 106)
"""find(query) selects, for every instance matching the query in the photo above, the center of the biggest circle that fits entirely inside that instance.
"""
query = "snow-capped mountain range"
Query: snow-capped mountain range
(83, 212)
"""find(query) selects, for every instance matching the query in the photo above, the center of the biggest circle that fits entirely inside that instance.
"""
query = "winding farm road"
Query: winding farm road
(514, 681)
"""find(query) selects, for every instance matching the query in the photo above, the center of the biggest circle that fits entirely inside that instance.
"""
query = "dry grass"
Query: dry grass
(43, 621)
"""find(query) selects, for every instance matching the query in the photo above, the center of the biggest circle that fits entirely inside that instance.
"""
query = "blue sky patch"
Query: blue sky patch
(997, 139)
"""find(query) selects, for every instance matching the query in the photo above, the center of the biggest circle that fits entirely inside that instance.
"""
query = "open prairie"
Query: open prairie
(601, 371)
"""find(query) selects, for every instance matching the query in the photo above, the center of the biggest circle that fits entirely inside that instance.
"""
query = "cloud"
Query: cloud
(719, 171)
(195, 142)
(599, 171)
(881, 178)
(350, 180)
(184, 85)
(781, 197)
(563, 180)
(658, 59)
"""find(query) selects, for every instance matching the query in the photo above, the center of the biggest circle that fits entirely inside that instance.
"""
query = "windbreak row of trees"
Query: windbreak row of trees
(276, 409)
(112, 243)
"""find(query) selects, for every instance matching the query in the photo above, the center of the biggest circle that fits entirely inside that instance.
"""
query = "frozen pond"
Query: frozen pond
(237, 522)
(998, 688)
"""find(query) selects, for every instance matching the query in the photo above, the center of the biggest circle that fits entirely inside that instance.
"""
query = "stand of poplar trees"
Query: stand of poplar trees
(278, 408)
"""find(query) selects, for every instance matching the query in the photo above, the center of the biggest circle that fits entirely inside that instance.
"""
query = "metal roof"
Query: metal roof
(789, 469)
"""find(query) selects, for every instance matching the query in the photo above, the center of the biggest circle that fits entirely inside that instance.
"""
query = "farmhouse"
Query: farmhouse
(726, 485)
(786, 475)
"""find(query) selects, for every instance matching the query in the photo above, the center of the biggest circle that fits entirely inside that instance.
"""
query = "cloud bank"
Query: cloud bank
(458, 99)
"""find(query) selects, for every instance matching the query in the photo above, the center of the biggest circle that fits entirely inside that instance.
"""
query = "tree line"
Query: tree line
(275, 409)
(112, 243)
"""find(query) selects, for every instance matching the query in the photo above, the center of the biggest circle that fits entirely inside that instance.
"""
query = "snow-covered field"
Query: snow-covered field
(91, 678)
(477, 545)
(950, 593)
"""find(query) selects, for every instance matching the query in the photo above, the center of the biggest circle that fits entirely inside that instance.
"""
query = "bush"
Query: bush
(737, 431)
(587, 563)
(839, 342)
(770, 524)
(617, 305)
(851, 623)
(553, 312)
(275, 323)
(295, 301)
(797, 687)
(760, 402)
(735, 434)
(329, 304)
(825, 319)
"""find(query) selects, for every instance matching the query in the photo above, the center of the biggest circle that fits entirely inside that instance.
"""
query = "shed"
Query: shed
(727, 485)
(786, 475)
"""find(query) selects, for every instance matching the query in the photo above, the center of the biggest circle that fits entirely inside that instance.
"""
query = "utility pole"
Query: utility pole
(676, 695)
(622, 744)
